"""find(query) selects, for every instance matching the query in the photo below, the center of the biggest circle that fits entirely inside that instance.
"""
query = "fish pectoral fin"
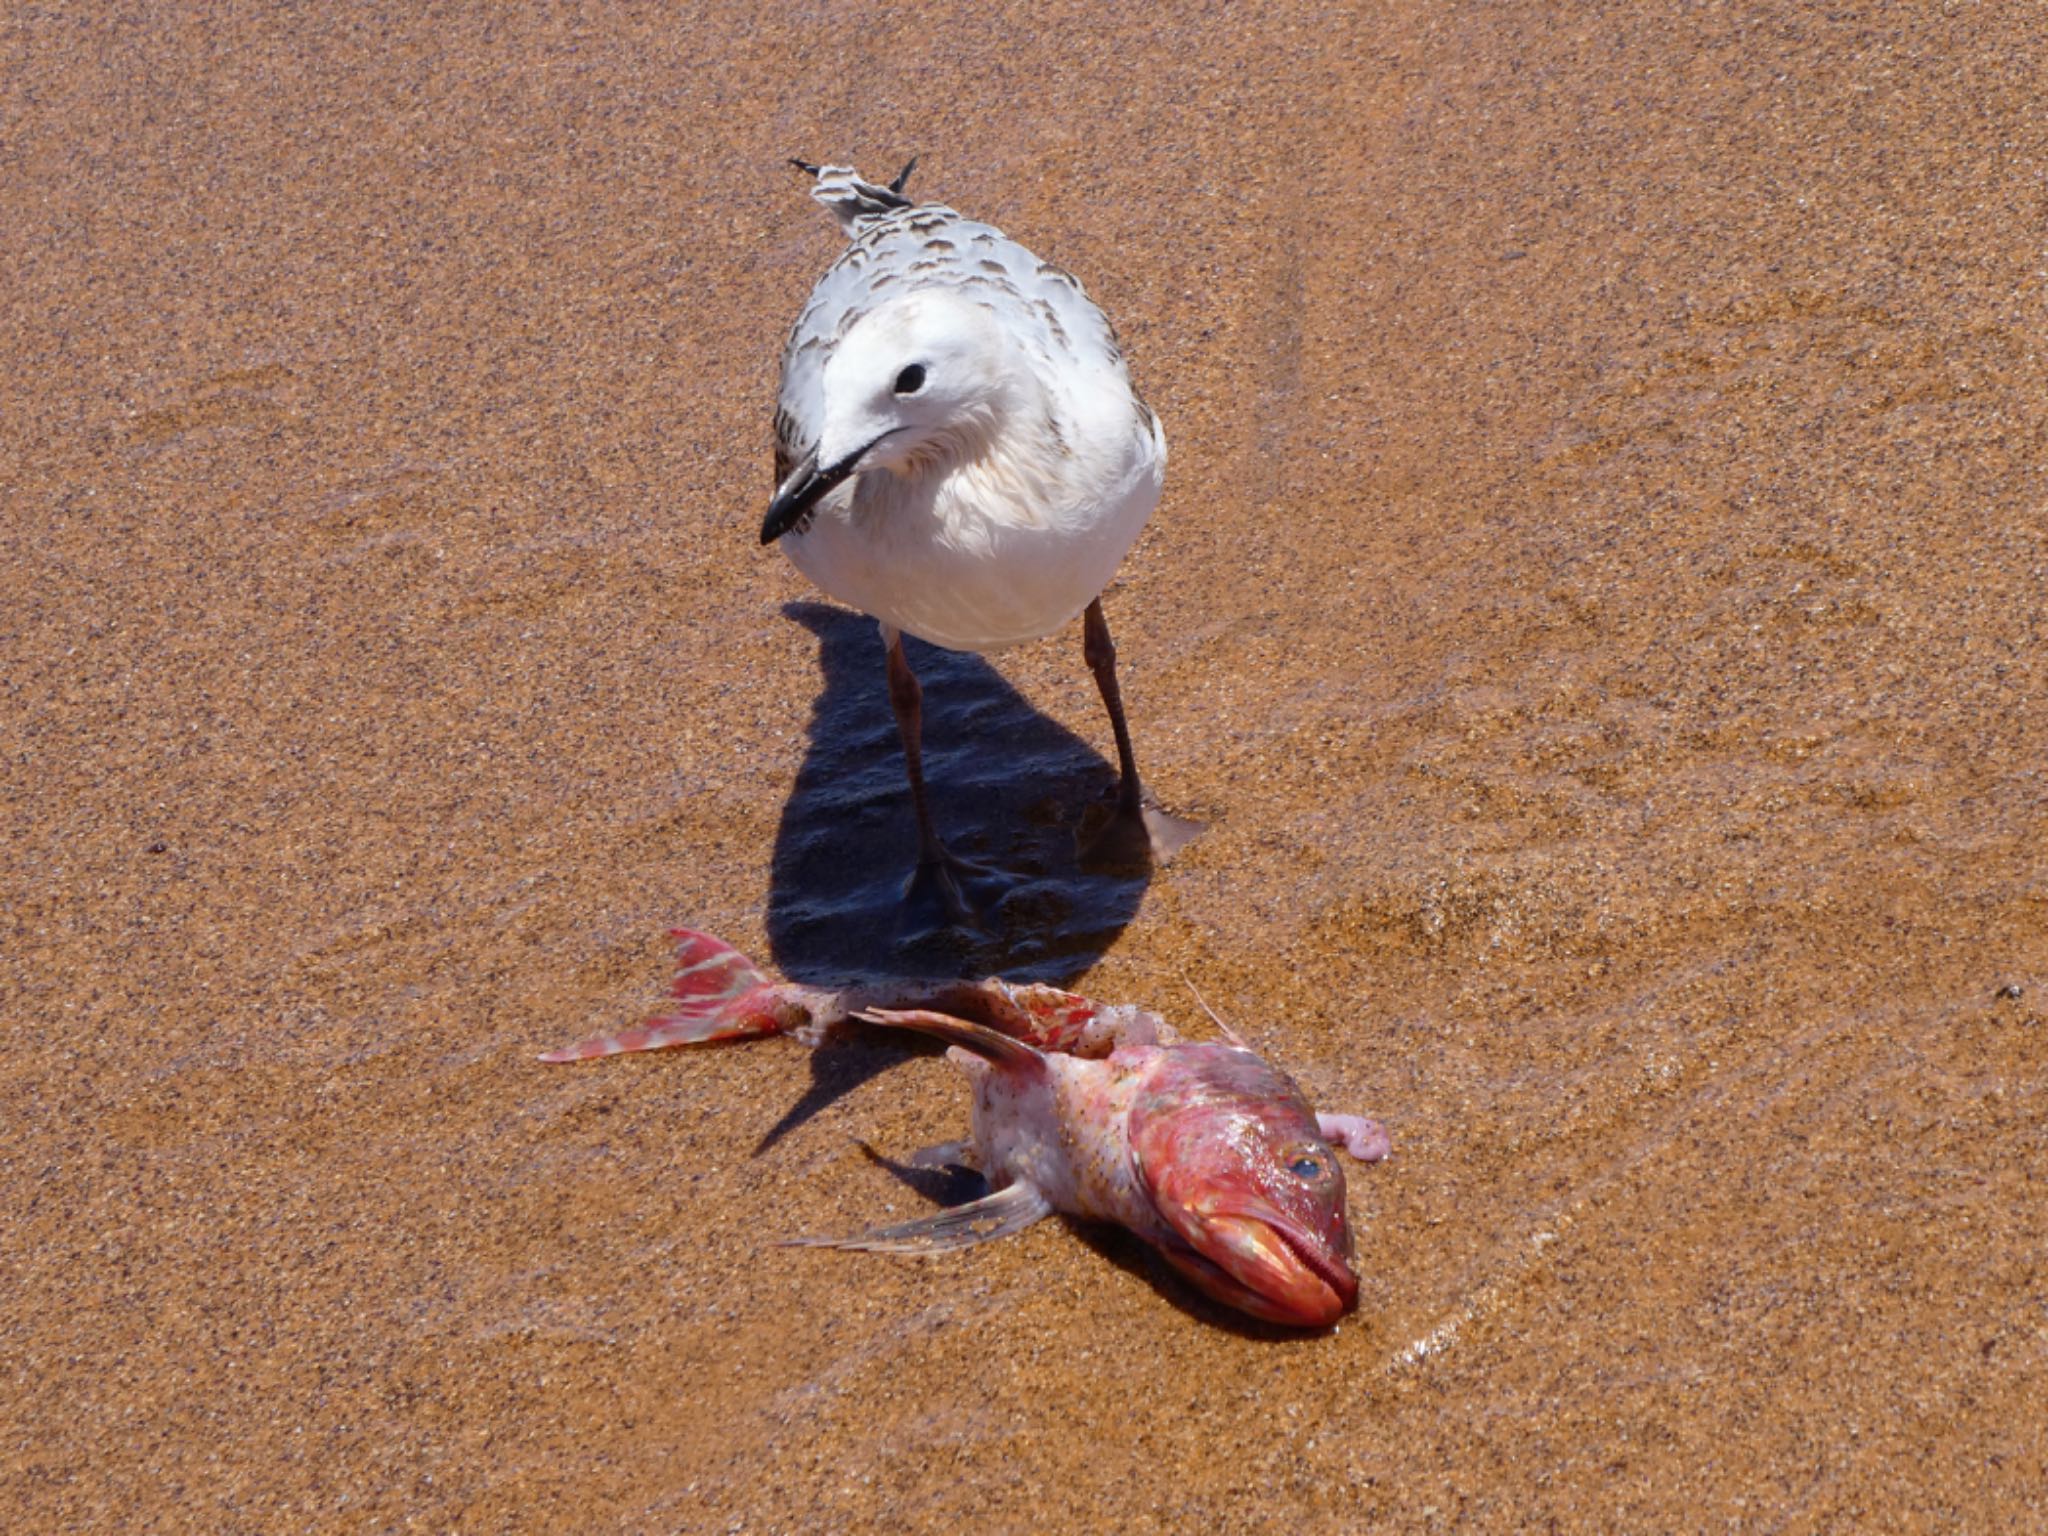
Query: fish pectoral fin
(1366, 1140)
(1010, 1209)
(978, 1038)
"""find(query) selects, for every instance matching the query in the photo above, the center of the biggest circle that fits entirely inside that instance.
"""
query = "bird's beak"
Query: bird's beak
(802, 490)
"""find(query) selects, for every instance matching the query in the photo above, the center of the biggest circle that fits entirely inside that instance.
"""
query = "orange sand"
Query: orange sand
(1598, 603)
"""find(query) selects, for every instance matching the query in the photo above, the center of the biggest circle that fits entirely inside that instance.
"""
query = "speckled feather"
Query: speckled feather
(894, 246)
(991, 500)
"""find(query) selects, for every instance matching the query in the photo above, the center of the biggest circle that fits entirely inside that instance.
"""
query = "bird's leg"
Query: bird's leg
(1136, 832)
(937, 870)
(907, 699)
(1100, 652)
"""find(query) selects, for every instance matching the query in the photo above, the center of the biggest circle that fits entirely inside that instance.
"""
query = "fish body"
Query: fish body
(1203, 1149)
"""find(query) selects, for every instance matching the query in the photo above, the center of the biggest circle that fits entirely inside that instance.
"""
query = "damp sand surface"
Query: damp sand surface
(1597, 606)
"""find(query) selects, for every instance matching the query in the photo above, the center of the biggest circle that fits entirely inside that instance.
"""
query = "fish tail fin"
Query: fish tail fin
(1004, 1050)
(851, 198)
(718, 994)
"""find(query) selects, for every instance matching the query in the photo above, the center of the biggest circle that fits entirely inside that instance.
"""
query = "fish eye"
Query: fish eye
(1306, 1167)
(910, 380)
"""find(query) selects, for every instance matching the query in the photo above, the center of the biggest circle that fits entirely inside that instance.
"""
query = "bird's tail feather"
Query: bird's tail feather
(851, 198)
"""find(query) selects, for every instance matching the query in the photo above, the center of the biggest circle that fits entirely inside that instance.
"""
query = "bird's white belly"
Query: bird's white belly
(963, 579)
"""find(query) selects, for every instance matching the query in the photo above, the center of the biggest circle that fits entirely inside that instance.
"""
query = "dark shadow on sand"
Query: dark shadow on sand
(1007, 790)
(951, 1186)
(1007, 787)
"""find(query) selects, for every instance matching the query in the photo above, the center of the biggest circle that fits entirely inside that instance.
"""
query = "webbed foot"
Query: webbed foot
(941, 892)
(1135, 837)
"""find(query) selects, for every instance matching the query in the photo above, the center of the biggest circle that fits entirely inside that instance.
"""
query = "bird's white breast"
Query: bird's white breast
(984, 556)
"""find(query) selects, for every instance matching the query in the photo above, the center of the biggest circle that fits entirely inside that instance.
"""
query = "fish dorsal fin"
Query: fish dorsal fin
(978, 1038)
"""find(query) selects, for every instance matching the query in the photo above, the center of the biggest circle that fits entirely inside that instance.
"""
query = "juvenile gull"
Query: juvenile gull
(959, 452)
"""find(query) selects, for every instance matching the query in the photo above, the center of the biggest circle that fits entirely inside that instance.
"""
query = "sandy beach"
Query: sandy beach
(1598, 605)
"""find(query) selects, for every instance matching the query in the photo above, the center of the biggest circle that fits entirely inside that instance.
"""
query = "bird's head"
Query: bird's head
(920, 380)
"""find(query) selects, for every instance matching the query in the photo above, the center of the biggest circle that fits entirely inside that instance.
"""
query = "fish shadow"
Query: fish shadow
(945, 1186)
(1134, 1257)
(950, 1186)
(838, 1067)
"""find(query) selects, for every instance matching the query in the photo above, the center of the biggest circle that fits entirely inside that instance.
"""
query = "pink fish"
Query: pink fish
(1203, 1149)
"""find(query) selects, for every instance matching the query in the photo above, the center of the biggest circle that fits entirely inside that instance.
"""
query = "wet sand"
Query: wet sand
(1597, 603)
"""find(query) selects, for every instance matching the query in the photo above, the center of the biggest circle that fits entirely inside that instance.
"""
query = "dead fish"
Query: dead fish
(1204, 1149)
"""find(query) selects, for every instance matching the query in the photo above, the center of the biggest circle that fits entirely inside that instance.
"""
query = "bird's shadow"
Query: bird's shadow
(1007, 787)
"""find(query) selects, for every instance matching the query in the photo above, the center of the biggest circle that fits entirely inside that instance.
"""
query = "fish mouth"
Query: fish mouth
(807, 485)
(1264, 1265)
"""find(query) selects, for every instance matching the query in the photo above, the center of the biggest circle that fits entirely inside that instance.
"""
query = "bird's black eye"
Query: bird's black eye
(1306, 1167)
(910, 380)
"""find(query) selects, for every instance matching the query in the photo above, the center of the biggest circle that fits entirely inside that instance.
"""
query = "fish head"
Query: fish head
(1252, 1197)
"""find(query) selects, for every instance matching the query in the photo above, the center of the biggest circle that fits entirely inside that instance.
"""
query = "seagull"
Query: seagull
(959, 453)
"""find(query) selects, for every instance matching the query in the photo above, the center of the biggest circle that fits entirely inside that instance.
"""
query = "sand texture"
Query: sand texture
(1597, 604)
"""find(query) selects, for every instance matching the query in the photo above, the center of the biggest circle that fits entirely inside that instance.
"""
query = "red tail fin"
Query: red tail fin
(718, 995)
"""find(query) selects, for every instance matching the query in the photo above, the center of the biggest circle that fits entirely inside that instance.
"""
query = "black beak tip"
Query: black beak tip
(804, 489)
(786, 511)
